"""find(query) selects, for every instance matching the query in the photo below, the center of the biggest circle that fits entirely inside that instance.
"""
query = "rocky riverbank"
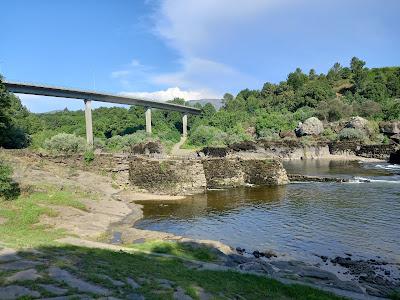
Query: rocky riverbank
(113, 212)
(373, 277)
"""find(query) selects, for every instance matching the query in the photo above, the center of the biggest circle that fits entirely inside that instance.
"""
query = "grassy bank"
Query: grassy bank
(154, 277)
(21, 216)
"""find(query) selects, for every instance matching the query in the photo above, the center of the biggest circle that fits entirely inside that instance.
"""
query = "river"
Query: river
(299, 220)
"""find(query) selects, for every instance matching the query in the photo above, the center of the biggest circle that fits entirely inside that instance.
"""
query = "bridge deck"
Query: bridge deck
(33, 89)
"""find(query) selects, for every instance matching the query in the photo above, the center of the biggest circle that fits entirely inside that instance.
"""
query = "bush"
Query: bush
(99, 143)
(39, 138)
(268, 135)
(88, 156)
(15, 138)
(329, 134)
(118, 143)
(237, 134)
(351, 134)
(65, 143)
(8, 188)
(207, 136)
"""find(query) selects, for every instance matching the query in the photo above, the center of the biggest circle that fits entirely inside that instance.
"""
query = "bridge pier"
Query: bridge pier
(88, 120)
(184, 125)
(148, 120)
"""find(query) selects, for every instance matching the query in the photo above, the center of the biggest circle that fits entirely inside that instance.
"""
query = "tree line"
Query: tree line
(342, 92)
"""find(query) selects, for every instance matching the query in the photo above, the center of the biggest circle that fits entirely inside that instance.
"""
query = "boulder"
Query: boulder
(390, 127)
(357, 123)
(395, 138)
(311, 126)
(251, 131)
(395, 157)
(287, 134)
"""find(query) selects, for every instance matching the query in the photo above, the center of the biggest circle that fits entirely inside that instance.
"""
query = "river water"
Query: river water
(298, 220)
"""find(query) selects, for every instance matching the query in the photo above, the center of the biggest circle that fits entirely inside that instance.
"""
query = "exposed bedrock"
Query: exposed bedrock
(296, 149)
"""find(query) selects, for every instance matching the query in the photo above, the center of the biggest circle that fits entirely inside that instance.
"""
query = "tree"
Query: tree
(312, 75)
(226, 98)
(335, 72)
(358, 71)
(11, 113)
(297, 79)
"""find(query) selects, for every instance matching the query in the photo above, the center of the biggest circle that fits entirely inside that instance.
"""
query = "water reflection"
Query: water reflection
(299, 219)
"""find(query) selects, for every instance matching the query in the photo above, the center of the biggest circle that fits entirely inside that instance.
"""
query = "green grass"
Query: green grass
(21, 228)
(88, 264)
(178, 249)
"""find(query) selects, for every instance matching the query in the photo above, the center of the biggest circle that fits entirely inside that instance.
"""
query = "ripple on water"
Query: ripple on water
(299, 219)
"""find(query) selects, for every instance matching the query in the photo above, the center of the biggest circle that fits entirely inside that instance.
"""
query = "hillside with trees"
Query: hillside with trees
(343, 92)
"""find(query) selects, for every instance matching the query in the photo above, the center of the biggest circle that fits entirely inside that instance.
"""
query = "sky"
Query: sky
(193, 49)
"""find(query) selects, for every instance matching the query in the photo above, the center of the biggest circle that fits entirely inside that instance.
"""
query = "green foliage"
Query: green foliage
(88, 156)
(343, 92)
(12, 135)
(65, 143)
(207, 136)
(352, 134)
(297, 79)
(118, 143)
(275, 121)
(329, 134)
(333, 110)
(8, 188)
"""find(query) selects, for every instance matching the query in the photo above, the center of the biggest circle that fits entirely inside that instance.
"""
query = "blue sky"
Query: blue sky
(188, 48)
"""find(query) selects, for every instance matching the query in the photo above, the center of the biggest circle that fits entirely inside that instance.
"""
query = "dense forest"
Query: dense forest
(341, 93)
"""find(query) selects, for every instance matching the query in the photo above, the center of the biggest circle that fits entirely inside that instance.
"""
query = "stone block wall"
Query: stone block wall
(167, 176)
(233, 172)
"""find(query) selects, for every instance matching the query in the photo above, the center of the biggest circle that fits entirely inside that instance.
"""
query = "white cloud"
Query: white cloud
(193, 70)
(171, 93)
(192, 25)
(200, 29)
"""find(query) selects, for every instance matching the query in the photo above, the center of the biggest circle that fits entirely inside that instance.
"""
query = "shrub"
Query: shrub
(329, 134)
(8, 188)
(65, 143)
(88, 156)
(118, 143)
(207, 136)
(39, 138)
(268, 135)
(99, 143)
(15, 138)
(352, 134)
(237, 134)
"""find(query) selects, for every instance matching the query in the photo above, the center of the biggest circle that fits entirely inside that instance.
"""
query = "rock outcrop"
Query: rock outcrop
(390, 128)
(311, 126)
(395, 157)
(358, 123)
(355, 149)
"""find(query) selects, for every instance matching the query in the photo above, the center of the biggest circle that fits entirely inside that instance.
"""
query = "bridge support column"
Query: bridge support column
(89, 125)
(148, 120)
(184, 125)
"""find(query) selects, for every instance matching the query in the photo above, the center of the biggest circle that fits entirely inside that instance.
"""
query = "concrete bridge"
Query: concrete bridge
(89, 96)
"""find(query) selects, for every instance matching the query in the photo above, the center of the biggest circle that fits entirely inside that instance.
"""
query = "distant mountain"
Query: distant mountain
(216, 102)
